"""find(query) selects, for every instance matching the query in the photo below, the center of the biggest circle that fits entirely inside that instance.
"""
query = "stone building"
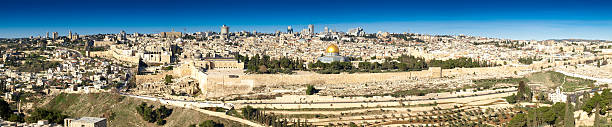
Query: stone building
(558, 96)
(85, 122)
(220, 63)
(171, 34)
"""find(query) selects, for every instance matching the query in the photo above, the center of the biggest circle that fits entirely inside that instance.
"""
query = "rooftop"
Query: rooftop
(89, 119)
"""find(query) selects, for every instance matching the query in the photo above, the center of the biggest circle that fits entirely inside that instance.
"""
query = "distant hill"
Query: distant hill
(120, 110)
(578, 40)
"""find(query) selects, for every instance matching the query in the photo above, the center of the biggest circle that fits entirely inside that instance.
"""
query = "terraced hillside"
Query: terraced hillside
(464, 108)
(120, 111)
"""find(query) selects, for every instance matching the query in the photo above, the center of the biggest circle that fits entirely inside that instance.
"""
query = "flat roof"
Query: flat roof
(89, 119)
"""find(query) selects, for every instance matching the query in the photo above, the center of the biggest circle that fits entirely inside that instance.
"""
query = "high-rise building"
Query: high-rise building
(55, 35)
(47, 35)
(224, 29)
(356, 31)
(311, 29)
(122, 35)
(289, 30)
(70, 34)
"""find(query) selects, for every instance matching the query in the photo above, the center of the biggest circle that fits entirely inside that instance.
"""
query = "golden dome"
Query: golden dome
(332, 49)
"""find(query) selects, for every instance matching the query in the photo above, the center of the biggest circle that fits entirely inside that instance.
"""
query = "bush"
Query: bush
(16, 118)
(310, 90)
(511, 99)
(168, 68)
(5, 109)
(150, 115)
(210, 123)
(353, 125)
(168, 79)
(44, 114)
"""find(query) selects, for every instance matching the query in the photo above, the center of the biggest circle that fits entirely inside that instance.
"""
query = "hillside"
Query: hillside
(120, 111)
(553, 79)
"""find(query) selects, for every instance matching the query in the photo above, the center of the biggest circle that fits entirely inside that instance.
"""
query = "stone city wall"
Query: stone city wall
(344, 78)
(105, 54)
(112, 54)
(140, 79)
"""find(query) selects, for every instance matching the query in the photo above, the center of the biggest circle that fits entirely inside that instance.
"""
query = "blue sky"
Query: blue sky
(516, 19)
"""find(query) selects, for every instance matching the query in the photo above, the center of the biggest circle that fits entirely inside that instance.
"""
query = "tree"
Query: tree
(168, 79)
(310, 90)
(43, 114)
(150, 115)
(5, 109)
(511, 99)
(553, 115)
(248, 111)
(353, 125)
(569, 115)
(598, 104)
(16, 118)
(210, 123)
(524, 92)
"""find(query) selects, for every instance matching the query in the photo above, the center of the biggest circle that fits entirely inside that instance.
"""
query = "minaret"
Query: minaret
(311, 29)
(19, 106)
(326, 30)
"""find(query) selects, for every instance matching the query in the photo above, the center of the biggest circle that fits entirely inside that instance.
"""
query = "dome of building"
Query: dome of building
(332, 49)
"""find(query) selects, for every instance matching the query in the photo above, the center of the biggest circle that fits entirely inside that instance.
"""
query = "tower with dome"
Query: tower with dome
(332, 54)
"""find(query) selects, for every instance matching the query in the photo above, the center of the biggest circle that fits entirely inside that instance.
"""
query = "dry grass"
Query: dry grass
(120, 110)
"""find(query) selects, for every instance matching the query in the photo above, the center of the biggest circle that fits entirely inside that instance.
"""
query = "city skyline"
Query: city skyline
(305, 63)
(524, 20)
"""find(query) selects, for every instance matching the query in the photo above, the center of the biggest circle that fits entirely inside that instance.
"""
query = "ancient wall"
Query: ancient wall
(344, 78)
(103, 43)
(129, 59)
(113, 53)
(538, 65)
(105, 54)
(151, 78)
